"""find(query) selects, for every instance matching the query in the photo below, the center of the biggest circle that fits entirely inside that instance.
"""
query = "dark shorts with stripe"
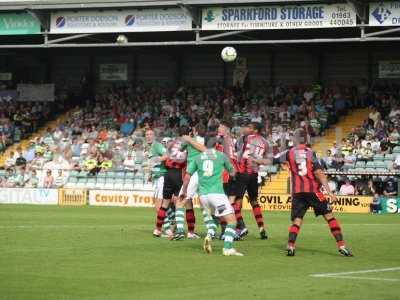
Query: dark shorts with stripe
(230, 188)
(303, 201)
(246, 182)
(172, 183)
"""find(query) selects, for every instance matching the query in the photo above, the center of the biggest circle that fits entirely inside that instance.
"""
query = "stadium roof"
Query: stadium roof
(74, 4)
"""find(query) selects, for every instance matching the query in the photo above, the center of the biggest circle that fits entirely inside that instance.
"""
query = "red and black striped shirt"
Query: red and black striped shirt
(303, 163)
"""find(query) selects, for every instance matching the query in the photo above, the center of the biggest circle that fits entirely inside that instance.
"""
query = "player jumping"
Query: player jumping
(253, 150)
(209, 165)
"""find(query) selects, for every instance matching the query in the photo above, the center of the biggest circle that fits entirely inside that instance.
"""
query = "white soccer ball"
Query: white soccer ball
(122, 39)
(228, 54)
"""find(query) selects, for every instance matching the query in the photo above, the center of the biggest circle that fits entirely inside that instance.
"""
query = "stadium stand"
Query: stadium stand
(101, 145)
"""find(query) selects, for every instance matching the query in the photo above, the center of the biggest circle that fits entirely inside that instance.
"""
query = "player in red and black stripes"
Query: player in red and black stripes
(307, 179)
(253, 150)
(175, 163)
(226, 145)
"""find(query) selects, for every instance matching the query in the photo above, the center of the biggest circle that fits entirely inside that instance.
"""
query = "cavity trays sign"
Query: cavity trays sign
(120, 21)
(279, 17)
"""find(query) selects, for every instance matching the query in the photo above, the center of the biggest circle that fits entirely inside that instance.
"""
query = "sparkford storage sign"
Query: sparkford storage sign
(283, 202)
(278, 17)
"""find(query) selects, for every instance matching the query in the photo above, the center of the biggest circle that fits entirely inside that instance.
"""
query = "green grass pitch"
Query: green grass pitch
(50, 252)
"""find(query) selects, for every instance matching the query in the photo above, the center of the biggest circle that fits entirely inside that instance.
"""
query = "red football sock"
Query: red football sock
(293, 232)
(257, 212)
(336, 231)
(190, 219)
(161, 214)
(238, 214)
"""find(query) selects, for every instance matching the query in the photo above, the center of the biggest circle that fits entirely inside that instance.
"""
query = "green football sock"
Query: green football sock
(229, 236)
(169, 219)
(180, 220)
(210, 224)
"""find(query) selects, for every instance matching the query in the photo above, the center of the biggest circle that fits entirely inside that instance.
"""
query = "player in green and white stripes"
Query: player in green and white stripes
(210, 165)
(194, 146)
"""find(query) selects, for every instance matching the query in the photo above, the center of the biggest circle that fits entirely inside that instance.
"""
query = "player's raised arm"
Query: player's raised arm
(198, 146)
(228, 166)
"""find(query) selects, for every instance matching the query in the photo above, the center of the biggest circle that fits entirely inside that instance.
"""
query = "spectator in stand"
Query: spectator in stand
(374, 116)
(366, 153)
(60, 179)
(332, 184)
(48, 181)
(375, 206)
(10, 162)
(396, 164)
(347, 189)
(32, 180)
(390, 189)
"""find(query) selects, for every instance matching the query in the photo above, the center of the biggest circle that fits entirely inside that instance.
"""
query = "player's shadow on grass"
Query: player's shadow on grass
(300, 250)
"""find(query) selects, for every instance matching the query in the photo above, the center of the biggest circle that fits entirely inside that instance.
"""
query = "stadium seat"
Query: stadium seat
(378, 157)
(100, 183)
(81, 183)
(119, 184)
(370, 164)
(396, 150)
(360, 164)
(111, 174)
(389, 164)
(120, 174)
(129, 175)
(101, 175)
(129, 184)
(389, 157)
(91, 183)
(380, 164)
(109, 184)
(83, 174)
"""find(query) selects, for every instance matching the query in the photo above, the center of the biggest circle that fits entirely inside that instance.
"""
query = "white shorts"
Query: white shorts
(218, 204)
(192, 186)
(158, 185)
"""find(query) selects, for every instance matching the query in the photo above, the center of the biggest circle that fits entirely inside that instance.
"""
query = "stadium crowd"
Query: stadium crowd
(107, 132)
(373, 146)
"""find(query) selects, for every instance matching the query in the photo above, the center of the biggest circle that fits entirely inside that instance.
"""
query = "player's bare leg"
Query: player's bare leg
(336, 231)
(293, 232)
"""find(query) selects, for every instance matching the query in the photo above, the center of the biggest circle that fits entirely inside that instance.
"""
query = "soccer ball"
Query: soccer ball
(228, 54)
(122, 39)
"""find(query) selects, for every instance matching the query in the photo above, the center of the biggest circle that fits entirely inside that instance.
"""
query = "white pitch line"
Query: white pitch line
(362, 278)
(356, 272)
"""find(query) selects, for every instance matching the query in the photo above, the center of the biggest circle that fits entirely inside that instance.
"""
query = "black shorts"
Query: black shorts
(230, 187)
(246, 182)
(172, 183)
(302, 201)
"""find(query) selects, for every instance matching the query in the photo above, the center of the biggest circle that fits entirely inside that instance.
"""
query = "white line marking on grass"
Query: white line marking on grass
(362, 278)
(344, 275)
(357, 272)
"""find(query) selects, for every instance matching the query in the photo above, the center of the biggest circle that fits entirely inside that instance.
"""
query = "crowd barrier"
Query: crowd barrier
(144, 198)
